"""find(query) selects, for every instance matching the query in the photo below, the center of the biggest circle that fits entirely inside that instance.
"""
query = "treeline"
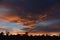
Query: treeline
(26, 37)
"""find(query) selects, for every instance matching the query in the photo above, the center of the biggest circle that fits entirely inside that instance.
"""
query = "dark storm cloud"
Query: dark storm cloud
(33, 6)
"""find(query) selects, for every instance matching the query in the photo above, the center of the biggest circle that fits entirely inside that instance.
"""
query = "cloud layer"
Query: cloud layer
(39, 15)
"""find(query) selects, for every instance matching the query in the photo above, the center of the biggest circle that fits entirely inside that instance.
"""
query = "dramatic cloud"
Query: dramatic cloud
(37, 15)
(48, 26)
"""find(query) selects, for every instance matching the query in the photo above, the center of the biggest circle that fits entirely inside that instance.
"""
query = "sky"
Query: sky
(33, 16)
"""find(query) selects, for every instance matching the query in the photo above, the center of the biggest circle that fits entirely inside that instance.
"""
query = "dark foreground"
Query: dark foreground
(26, 37)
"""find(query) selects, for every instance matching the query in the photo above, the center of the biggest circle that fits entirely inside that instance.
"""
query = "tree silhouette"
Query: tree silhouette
(26, 37)
(1, 33)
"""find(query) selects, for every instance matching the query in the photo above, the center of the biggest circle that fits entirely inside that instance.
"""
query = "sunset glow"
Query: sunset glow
(18, 17)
